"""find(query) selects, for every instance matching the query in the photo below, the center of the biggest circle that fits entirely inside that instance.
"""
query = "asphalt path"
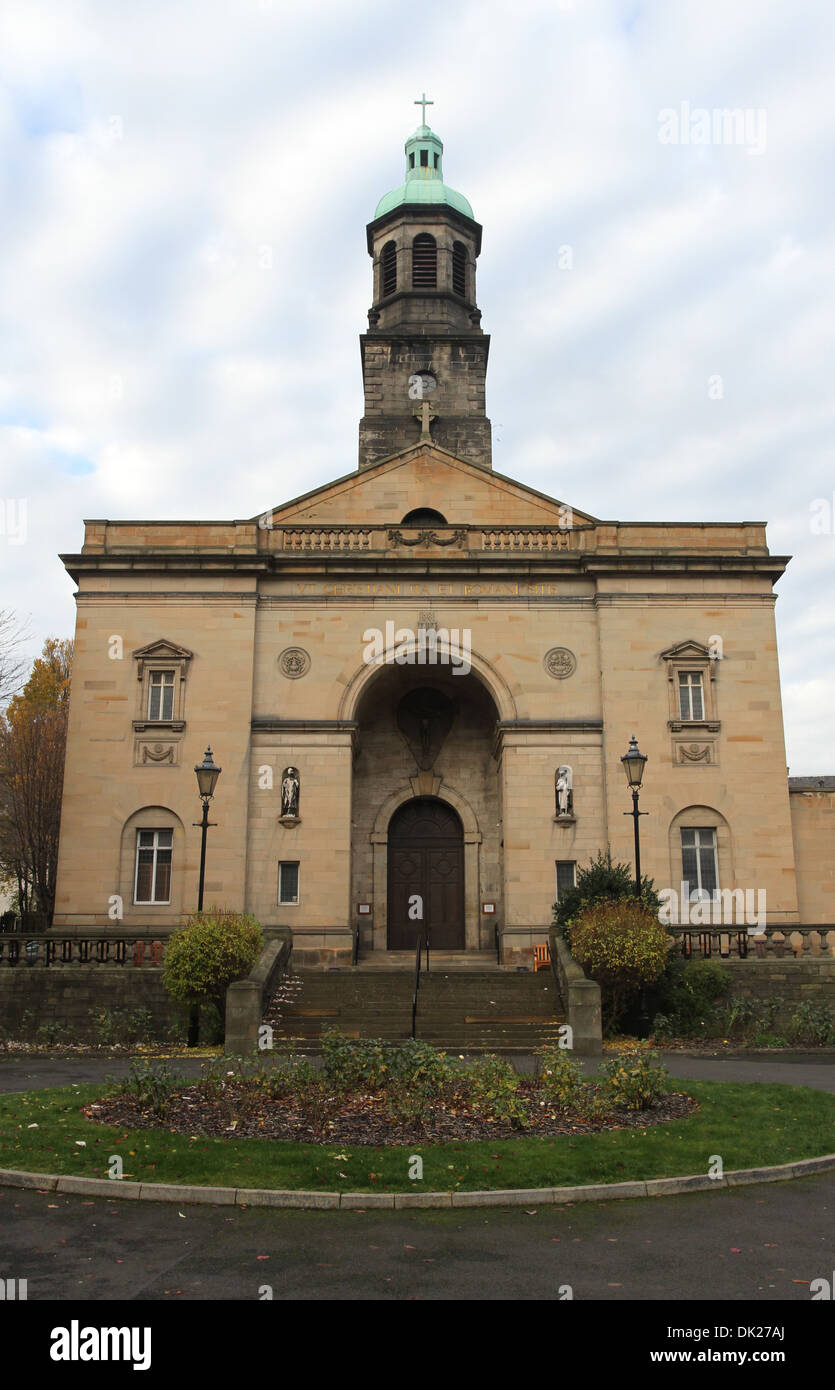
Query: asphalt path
(764, 1243)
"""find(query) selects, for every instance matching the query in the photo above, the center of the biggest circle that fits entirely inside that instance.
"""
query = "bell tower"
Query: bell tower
(424, 357)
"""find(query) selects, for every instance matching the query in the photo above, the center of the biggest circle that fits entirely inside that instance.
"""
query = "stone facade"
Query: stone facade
(576, 637)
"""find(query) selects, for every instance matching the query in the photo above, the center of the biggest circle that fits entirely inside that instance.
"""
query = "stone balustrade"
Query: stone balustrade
(326, 539)
(769, 943)
(56, 950)
(524, 540)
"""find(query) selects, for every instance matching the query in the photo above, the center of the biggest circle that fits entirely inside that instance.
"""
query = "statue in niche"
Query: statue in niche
(290, 792)
(564, 790)
(424, 718)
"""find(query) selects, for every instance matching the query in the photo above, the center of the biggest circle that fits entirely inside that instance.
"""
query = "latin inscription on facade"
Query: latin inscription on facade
(435, 589)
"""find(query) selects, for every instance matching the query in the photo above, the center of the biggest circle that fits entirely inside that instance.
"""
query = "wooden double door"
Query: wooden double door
(426, 876)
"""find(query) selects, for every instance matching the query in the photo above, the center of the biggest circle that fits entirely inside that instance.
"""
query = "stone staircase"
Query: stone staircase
(465, 1003)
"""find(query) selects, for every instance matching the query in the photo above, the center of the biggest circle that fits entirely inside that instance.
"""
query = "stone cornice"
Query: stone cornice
(584, 564)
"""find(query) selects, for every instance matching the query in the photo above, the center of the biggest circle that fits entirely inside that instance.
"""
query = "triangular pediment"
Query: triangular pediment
(687, 651)
(426, 476)
(162, 650)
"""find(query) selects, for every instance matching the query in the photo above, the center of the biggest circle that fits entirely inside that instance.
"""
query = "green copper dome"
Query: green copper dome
(424, 177)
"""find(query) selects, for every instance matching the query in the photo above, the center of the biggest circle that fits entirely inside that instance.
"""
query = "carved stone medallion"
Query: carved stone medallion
(294, 662)
(559, 662)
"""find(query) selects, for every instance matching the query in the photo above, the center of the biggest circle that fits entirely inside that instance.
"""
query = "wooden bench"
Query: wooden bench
(541, 957)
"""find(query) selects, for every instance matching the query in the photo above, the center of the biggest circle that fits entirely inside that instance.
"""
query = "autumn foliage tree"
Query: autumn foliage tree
(33, 739)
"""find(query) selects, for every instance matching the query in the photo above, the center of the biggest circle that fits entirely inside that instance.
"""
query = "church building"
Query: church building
(420, 679)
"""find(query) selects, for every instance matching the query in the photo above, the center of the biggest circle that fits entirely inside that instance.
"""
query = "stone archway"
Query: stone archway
(423, 786)
(425, 733)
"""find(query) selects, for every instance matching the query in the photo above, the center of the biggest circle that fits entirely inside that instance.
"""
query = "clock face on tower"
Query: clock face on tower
(422, 385)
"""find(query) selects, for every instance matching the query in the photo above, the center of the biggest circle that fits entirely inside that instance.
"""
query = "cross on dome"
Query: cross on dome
(423, 103)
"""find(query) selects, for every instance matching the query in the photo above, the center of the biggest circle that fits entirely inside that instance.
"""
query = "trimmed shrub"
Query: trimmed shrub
(594, 1103)
(636, 1082)
(355, 1064)
(493, 1088)
(560, 1077)
(150, 1083)
(212, 950)
(622, 945)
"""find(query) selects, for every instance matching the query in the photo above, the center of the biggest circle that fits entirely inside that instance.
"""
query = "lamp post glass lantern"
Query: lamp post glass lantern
(207, 775)
(634, 762)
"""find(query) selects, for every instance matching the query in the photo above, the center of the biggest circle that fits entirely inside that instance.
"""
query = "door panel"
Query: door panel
(426, 857)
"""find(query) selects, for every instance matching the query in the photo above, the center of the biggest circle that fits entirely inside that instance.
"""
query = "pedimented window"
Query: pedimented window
(160, 713)
(693, 706)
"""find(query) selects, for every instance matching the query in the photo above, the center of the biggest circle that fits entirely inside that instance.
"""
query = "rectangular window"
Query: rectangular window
(153, 866)
(566, 876)
(690, 695)
(699, 869)
(161, 695)
(424, 159)
(288, 881)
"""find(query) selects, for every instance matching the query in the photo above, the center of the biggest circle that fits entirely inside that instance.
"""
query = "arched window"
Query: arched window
(423, 516)
(152, 860)
(389, 268)
(459, 268)
(424, 262)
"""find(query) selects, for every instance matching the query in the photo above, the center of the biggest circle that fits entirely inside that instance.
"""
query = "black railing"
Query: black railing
(498, 943)
(421, 941)
(355, 946)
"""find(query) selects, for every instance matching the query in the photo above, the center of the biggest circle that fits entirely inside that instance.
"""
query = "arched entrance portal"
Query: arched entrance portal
(426, 865)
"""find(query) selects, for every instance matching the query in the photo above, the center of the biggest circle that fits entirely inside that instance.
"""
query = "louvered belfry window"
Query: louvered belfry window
(424, 262)
(459, 268)
(389, 268)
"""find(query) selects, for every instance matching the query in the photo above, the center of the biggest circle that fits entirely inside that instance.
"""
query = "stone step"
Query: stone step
(459, 1008)
(439, 960)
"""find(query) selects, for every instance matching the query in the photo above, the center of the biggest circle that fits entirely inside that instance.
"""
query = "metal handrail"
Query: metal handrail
(421, 941)
(498, 943)
(355, 952)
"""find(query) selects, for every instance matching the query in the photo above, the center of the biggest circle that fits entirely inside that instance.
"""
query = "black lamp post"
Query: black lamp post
(634, 762)
(207, 775)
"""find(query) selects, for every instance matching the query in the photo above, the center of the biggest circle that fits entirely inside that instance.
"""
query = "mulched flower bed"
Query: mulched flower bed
(364, 1119)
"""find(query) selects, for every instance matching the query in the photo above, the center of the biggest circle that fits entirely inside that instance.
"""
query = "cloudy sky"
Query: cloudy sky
(183, 275)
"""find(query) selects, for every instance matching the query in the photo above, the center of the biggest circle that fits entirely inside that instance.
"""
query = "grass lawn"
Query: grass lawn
(747, 1125)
